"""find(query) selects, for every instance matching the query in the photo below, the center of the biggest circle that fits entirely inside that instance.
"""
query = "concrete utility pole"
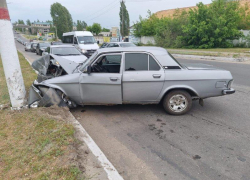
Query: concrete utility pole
(11, 65)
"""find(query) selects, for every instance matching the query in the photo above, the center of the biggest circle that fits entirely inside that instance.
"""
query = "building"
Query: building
(43, 27)
(105, 34)
(115, 31)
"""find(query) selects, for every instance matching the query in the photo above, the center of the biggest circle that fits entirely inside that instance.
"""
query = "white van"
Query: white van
(84, 41)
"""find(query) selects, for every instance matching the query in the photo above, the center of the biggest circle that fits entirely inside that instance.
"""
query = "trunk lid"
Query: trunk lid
(199, 66)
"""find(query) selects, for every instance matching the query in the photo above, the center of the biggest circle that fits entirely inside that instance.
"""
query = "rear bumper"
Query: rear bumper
(228, 91)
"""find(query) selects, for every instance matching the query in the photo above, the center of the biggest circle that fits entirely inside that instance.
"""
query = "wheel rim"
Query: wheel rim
(178, 103)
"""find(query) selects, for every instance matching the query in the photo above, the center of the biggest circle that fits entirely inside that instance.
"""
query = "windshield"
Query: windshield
(86, 39)
(44, 44)
(127, 45)
(65, 51)
(86, 63)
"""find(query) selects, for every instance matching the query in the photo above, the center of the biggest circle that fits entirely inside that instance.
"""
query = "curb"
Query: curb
(105, 163)
(108, 167)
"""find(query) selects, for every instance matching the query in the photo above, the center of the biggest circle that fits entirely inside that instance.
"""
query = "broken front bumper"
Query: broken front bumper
(44, 97)
(228, 91)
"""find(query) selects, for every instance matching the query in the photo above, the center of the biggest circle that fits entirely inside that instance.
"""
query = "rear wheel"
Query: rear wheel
(177, 102)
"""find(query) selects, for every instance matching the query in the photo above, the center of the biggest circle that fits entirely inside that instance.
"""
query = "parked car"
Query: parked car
(27, 47)
(41, 47)
(33, 47)
(66, 51)
(117, 44)
(135, 75)
(56, 43)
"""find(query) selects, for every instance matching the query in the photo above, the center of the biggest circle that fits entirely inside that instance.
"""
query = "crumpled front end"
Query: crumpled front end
(40, 96)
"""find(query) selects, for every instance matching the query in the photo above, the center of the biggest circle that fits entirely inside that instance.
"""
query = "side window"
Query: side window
(116, 45)
(153, 66)
(111, 45)
(136, 62)
(68, 39)
(107, 64)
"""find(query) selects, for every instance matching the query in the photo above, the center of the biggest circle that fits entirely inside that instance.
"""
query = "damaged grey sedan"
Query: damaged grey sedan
(136, 75)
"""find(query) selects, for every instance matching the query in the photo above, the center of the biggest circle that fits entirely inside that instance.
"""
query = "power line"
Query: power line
(103, 12)
(101, 9)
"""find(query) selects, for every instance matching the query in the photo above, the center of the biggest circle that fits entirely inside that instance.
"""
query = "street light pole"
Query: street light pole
(11, 65)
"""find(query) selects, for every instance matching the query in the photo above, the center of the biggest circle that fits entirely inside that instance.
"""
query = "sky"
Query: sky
(104, 12)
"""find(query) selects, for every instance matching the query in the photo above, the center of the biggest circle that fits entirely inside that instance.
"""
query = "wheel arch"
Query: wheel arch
(190, 90)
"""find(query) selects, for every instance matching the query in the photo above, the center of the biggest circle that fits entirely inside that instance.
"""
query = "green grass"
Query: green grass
(33, 144)
(30, 36)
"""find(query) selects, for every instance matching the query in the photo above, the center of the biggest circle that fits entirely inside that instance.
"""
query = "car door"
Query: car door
(37, 48)
(102, 86)
(143, 78)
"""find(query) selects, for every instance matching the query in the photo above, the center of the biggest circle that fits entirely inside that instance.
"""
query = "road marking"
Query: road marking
(105, 163)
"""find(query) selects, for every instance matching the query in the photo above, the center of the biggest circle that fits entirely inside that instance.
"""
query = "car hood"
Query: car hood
(77, 59)
(41, 65)
(89, 46)
(199, 66)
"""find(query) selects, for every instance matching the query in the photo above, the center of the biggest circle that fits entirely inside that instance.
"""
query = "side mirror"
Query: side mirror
(89, 69)
(98, 42)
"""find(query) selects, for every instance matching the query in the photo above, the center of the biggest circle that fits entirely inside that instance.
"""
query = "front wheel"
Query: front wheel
(177, 102)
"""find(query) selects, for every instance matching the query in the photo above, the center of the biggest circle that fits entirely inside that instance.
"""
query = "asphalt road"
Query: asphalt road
(240, 72)
(209, 143)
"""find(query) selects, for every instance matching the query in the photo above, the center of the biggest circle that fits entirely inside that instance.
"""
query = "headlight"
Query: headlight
(230, 84)
(84, 51)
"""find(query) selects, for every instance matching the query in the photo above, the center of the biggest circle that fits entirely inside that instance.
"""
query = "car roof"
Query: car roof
(56, 46)
(78, 33)
(159, 53)
(151, 49)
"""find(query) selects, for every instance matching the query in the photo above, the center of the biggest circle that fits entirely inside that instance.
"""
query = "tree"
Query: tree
(105, 30)
(19, 21)
(124, 20)
(96, 28)
(212, 26)
(89, 28)
(61, 19)
(80, 25)
(28, 22)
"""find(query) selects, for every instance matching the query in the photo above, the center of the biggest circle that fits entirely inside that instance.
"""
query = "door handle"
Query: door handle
(156, 75)
(114, 78)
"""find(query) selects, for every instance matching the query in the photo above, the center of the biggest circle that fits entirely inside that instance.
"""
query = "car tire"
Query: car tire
(177, 102)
